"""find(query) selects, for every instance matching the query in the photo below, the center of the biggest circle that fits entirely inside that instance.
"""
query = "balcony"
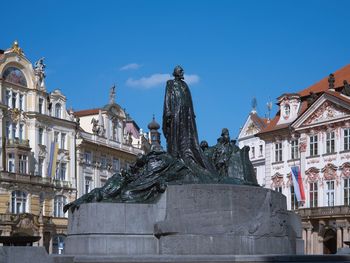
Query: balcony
(35, 180)
(17, 142)
(327, 211)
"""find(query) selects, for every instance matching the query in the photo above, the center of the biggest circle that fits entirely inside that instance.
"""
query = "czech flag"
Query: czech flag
(298, 184)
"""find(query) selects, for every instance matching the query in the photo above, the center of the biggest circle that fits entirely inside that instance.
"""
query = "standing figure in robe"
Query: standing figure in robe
(179, 124)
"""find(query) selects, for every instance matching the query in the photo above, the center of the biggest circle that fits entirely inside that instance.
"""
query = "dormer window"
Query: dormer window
(58, 110)
(286, 110)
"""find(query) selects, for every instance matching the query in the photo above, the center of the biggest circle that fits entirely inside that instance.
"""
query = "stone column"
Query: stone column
(308, 238)
(339, 237)
(305, 240)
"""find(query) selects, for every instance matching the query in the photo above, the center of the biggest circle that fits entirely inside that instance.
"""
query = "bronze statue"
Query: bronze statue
(179, 124)
(185, 162)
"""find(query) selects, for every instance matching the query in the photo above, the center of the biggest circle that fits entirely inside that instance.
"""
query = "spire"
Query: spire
(112, 95)
(269, 108)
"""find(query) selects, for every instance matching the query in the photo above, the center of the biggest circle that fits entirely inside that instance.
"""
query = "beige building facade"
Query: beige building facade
(37, 168)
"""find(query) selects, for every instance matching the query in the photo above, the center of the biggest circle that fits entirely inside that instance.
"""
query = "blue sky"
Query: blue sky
(231, 51)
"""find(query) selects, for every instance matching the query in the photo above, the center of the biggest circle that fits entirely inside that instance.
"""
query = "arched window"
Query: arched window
(14, 75)
(58, 109)
(59, 202)
(19, 202)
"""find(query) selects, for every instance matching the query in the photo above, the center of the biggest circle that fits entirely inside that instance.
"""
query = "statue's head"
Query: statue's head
(204, 145)
(225, 135)
(178, 72)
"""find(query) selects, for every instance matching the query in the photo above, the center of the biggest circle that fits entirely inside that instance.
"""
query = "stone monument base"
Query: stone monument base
(198, 219)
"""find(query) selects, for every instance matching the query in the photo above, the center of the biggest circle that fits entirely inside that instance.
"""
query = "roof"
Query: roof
(340, 75)
(86, 112)
(321, 86)
(261, 122)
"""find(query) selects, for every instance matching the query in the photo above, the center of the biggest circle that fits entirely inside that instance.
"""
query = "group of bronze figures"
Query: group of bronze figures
(185, 161)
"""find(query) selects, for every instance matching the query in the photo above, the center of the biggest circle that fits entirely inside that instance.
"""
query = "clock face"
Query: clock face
(114, 111)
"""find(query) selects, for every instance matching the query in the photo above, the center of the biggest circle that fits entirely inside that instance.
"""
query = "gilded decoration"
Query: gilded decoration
(312, 175)
(325, 112)
(277, 180)
(16, 49)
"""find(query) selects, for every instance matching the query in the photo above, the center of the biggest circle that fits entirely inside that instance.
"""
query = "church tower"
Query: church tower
(154, 134)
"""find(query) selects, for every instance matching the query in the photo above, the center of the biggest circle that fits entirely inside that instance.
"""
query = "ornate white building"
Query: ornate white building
(311, 130)
(108, 140)
(37, 168)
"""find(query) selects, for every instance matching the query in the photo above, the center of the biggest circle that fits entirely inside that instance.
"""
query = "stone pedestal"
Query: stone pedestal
(196, 219)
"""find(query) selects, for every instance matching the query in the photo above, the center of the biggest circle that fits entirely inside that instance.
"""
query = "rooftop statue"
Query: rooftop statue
(185, 162)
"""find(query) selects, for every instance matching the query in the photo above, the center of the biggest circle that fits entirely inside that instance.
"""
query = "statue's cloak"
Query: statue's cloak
(179, 125)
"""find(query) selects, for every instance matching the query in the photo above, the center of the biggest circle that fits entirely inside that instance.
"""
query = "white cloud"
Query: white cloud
(131, 66)
(158, 79)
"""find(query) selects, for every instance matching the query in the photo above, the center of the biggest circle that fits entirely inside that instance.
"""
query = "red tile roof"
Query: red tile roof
(86, 112)
(340, 75)
(321, 86)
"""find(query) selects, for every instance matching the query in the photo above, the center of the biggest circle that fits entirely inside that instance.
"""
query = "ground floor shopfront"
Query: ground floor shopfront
(325, 229)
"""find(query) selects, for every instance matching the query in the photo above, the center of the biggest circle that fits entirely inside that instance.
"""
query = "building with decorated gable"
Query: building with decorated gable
(311, 132)
(108, 140)
(246, 137)
(37, 168)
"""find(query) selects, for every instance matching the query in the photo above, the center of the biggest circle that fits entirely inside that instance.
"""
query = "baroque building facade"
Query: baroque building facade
(311, 131)
(37, 168)
(108, 140)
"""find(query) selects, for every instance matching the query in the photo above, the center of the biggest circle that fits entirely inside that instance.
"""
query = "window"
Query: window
(21, 107)
(63, 141)
(330, 193)
(294, 149)
(61, 173)
(260, 150)
(346, 139)
(8, 98)
(330, 142)
(253, 152)
(313, 145)
(11, 162)
(14, 99)
(116, 165)
(313, 194)
(87, 157)
(58, 110)
(59, 202)
(278, 152)
(88, 184)
(293, 199)
(286, 110)
(18, 202)
(20, 132)
(55, 137)
(278, 189)
(22, 163)
(103, 162)
(58, 244)
(347, 191)
(41, 105)
(41, 136)
(14, 129)
(7, 129)
(40, 166)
